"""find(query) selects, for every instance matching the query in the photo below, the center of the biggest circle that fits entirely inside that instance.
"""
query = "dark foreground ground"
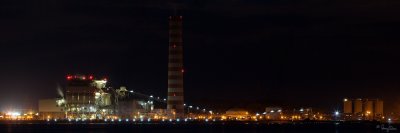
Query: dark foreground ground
(190, 127)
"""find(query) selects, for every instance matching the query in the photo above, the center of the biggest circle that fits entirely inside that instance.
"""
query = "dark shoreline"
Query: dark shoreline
(203, 127)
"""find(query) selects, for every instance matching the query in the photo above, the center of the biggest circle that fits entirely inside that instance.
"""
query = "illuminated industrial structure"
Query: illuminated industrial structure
(89, 98)
(85, 96)
(302, 114)
(237, 114)
(175, 103)
(363, 109)
(273, 113)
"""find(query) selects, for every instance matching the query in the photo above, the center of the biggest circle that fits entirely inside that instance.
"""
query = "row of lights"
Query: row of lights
(133, 120)
(189, 107)
(82, 77)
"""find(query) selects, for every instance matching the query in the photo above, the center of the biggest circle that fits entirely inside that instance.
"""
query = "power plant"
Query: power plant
(88, 97)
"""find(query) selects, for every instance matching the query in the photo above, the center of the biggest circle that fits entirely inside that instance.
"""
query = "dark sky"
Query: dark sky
(272, 52)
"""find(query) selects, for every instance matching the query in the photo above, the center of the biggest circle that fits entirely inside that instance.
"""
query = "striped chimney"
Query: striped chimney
(175, 67)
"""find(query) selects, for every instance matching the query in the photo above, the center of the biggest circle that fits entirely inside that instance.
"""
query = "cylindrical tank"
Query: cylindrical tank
(378, 108)
(358, 106)
(347, 106)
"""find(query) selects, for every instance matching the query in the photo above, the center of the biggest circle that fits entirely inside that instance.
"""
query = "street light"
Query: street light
(189, 109)
(337, 115)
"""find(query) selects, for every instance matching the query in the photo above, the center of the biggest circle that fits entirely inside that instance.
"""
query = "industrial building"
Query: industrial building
(237, 114)
(273, 113)
(50, 109)
(87, 97)
(81, 96)
(302, 113)
(362, 109)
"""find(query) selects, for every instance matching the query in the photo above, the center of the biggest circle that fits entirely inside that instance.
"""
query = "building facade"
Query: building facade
(80, 97)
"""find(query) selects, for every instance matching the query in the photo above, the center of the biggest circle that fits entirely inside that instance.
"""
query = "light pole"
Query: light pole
(337, 115)
(189, 111)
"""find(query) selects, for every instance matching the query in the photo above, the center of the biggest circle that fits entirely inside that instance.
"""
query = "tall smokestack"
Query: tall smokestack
(175, 67)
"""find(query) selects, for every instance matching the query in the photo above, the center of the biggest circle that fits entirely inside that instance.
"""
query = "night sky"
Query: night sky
(237, 52)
